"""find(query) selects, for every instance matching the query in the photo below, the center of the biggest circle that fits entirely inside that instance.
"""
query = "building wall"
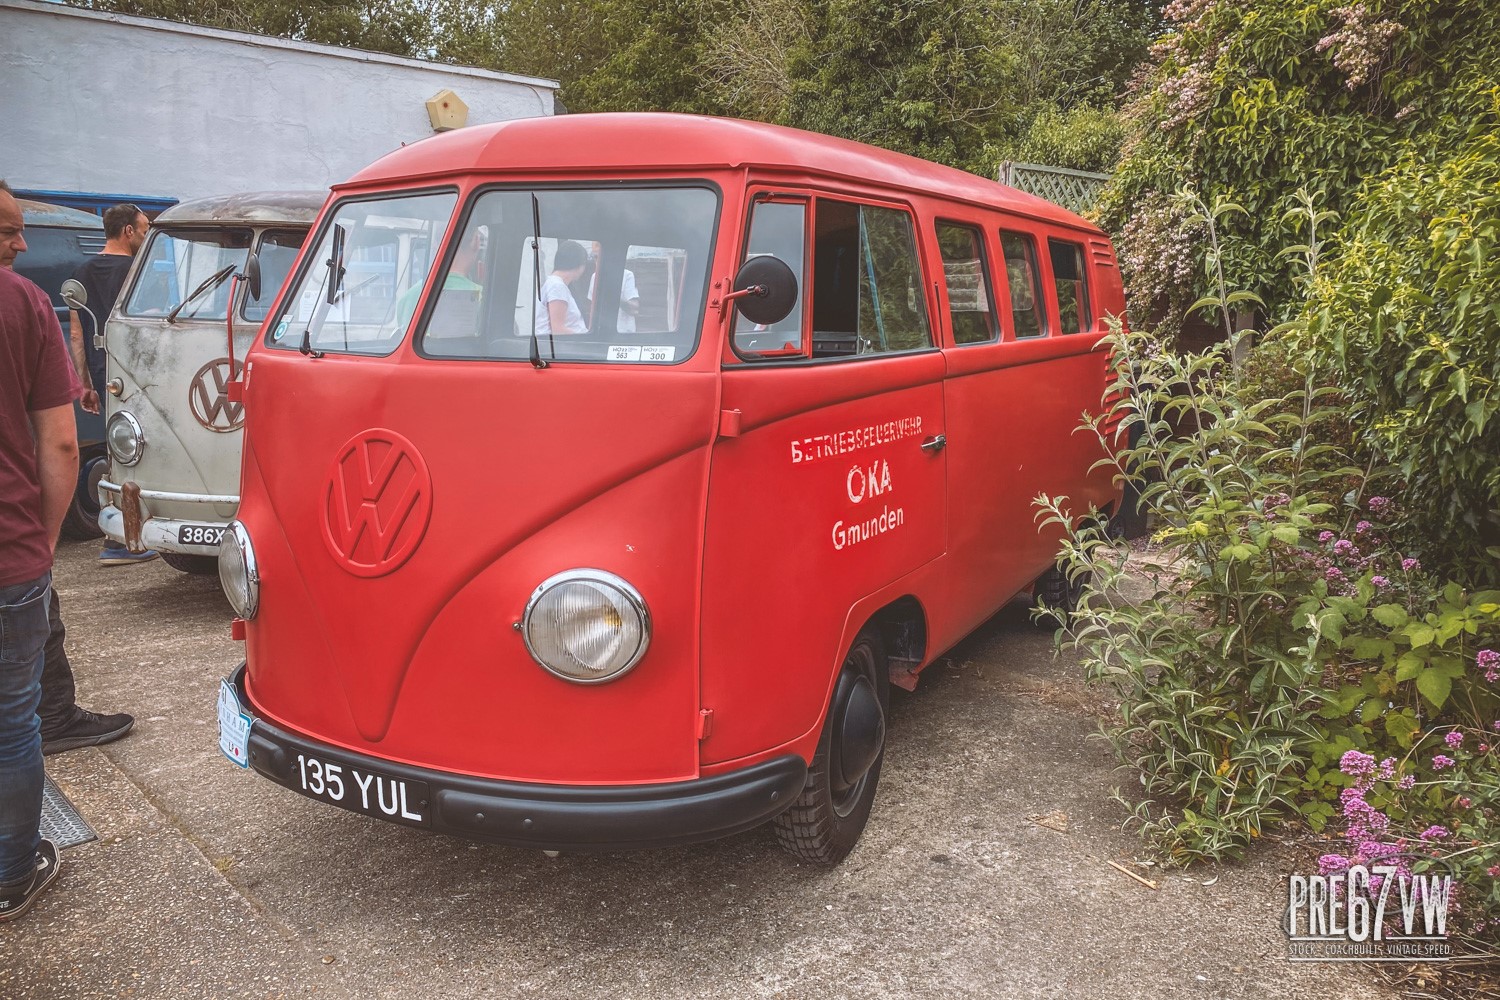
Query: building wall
(95, 102)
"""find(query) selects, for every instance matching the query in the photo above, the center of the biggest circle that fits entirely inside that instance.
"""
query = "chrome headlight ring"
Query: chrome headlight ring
(128, 445)
(239, 574)
(586, 626)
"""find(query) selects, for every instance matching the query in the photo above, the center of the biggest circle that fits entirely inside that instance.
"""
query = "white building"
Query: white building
(106, 106)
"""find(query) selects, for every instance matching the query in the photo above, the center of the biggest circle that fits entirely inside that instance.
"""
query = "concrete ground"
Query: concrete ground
(208, 881)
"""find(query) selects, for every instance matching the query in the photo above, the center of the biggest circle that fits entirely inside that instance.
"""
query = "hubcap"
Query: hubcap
(858, 730)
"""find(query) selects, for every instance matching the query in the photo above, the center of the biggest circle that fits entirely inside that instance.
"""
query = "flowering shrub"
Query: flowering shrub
(1293, 664)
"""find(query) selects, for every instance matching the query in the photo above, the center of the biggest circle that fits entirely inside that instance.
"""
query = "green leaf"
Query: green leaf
(1409, 665)
(1370, 710)
(1435, 686)
(1390, 615)
(1420, 635)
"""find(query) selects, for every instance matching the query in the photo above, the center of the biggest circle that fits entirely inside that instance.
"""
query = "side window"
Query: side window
(778, 229)
(1025, 284)
(867, 295)
(1069, 277)
(971, 305)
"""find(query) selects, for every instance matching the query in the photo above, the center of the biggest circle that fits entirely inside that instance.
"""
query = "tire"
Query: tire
(82, 520)
(1059, 595)
(825, 822)
(196, 565)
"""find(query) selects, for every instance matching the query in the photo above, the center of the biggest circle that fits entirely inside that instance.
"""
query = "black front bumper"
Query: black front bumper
(550, 817)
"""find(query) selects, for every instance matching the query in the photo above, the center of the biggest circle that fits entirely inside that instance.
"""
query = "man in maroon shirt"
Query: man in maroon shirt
(38, 470)
(65, 724)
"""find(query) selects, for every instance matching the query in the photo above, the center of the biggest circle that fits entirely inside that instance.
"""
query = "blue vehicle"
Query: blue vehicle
(58, 241)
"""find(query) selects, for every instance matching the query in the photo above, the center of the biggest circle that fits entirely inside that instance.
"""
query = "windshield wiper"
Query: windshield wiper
(536, 264)
(333, 286)
(212, 281)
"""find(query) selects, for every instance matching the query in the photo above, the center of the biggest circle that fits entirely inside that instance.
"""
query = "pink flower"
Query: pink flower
(1354, 763)
(1380, 582)
(1411, 565)
(1387, 769)
(1465, 801)
(1379, 505)
(1435, 832)
(1330, 863)
(1442, 762)
(1494, 871)
(1362, 527)
(1407, 781)
(1325, 537)
(1343, 547)
(1488, 660)
(1454, 739)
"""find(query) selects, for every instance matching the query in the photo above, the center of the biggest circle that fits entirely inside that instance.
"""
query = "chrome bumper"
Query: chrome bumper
(161, 533)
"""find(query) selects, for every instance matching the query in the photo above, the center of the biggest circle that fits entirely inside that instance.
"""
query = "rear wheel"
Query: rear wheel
(82, 520)
(825, 822)
(196, 565)
(1060, 595)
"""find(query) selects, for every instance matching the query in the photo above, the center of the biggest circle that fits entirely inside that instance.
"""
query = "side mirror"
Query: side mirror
(252, 275)
(766, 289)
(74, 294)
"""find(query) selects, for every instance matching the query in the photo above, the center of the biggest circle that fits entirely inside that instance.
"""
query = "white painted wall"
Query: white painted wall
(93, 102)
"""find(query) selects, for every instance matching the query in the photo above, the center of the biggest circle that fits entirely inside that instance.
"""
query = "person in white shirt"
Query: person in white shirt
(630, 303)
(556, 310)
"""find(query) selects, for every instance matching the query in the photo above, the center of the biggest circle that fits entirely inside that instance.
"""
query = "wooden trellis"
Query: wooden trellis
(1077, 190)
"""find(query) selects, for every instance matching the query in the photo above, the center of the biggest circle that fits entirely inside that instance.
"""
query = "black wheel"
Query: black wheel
(1059, 595)
(826, 820)
(82, 520)
(196, 565)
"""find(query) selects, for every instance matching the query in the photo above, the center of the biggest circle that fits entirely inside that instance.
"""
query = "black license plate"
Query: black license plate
(360, 789)
(200, 534)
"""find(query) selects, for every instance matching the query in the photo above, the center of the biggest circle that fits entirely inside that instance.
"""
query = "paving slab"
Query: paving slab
(982, 873)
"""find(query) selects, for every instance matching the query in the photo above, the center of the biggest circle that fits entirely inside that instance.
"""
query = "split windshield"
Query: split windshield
(618, 275)
(360, 299)
(178, 262)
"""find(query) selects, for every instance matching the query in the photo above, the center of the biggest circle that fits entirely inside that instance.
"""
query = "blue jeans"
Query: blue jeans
(23, 638)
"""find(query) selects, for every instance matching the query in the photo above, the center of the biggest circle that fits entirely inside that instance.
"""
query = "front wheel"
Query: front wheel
(825, 822)
(1058, 595)
(82, 519)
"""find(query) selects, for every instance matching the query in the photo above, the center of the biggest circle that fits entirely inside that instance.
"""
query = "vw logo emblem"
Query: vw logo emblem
(377, 504)
(209, 399)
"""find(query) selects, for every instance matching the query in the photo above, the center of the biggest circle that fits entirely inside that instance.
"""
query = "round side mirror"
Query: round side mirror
(775, 290)
(252, 275)
(74, 294)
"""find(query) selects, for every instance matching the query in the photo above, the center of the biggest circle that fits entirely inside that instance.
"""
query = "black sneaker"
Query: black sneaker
(86, 730)
(16, 899)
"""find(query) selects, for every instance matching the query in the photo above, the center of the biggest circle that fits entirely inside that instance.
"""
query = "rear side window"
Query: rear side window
(1025, 284)
(1071, 282)
(971, 305)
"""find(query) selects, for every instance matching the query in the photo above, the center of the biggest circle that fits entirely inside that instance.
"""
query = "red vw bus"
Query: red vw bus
(602, 472)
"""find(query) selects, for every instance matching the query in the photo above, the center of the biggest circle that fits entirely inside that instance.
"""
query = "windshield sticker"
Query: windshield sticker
(658, 354)
(280, 331)
(624, 352)
(620, 353)
(821, 446)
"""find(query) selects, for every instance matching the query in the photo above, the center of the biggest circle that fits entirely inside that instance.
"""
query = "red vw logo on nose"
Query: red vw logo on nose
(378, 502)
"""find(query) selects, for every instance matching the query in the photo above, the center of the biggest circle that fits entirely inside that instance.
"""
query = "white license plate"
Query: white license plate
(360, 789)
(234, 726)
(200, 534)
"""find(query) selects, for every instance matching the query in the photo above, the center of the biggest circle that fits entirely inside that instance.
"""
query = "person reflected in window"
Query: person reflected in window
(557, 311)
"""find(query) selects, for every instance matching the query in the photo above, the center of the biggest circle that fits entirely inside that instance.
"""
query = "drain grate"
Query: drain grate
(61, 823)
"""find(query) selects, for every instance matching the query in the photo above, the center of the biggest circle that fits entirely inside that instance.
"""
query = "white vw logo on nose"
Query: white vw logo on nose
(209, 400)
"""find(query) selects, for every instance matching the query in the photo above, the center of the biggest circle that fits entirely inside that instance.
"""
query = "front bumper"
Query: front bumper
(551, 817)
(164, 534)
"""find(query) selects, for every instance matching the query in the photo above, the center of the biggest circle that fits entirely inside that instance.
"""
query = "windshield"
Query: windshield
(277, 252)
(177, 262)
(362, 302)
(621, 276)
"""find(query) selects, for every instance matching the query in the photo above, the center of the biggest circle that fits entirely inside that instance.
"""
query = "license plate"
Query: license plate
(360, 789)
(234, 726)
(199, 534)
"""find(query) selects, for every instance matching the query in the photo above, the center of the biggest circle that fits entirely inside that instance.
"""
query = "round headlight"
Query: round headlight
(238, 574)
(126, 442)
(586, 625)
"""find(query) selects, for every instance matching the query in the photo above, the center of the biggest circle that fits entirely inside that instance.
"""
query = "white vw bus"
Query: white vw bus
(195, 297)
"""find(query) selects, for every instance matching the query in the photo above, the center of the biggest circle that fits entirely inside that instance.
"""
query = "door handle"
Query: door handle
(935, 444)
